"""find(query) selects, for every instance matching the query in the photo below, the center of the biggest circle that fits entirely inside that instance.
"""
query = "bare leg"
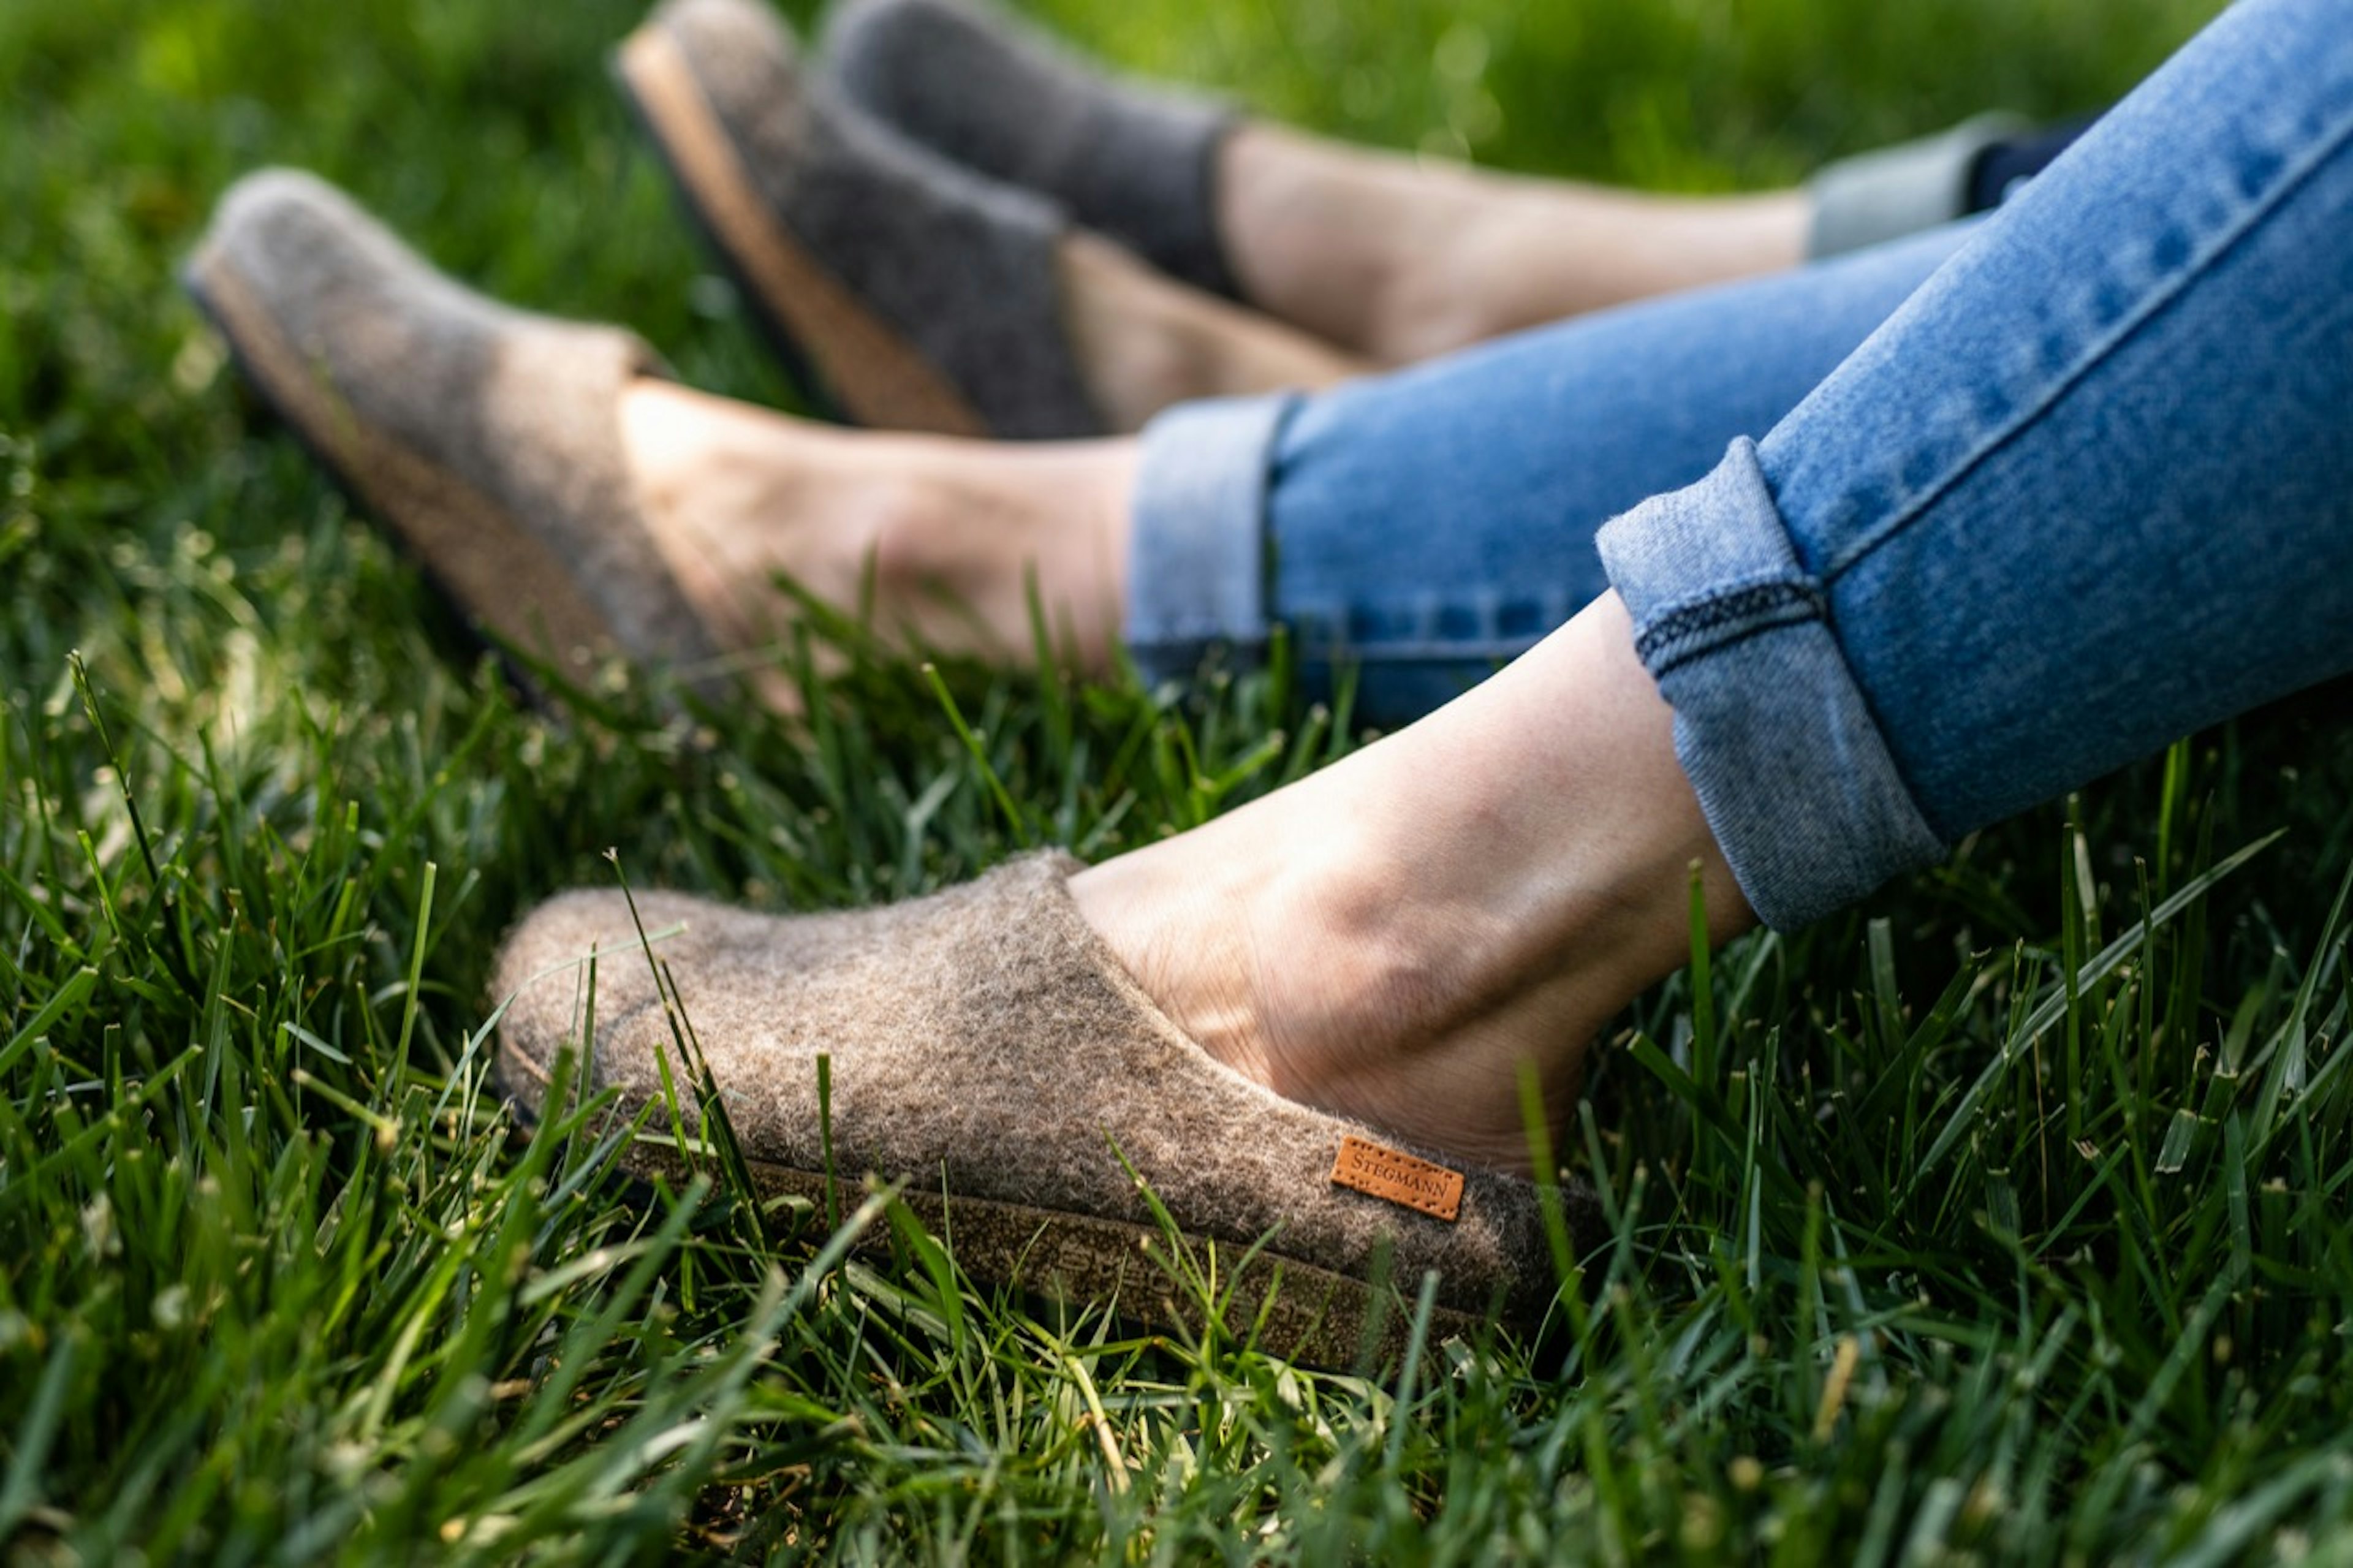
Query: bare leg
(1393, 937)
(736, 495)
(1397, 260)
(1359, 259)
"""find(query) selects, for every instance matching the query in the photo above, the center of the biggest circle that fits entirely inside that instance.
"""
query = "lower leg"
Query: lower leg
(1398, 937)
(1397, 260)
(948, 533)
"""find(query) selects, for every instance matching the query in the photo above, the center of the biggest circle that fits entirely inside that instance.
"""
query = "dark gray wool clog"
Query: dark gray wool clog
(923, 296)
(1136, 161)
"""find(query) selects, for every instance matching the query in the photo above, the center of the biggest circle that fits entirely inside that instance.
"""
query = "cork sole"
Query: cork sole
(477, 554)
(872, 372)
(1298, 1312)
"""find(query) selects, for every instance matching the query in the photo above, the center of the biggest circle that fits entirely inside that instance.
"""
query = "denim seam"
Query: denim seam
(1757, 608)
(1733, 583)
(1795, 616)
(2153, 304)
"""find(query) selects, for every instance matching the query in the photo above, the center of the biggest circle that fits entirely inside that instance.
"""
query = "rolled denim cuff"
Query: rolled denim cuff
(1790, 766)
(1197, 572)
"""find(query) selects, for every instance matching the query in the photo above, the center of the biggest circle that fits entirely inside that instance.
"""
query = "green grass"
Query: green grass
(2008, 1224)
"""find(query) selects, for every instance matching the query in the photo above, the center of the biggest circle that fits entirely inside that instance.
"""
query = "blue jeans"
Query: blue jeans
(2087, 488)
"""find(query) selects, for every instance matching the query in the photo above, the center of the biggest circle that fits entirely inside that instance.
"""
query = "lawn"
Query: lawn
(2000, 1219)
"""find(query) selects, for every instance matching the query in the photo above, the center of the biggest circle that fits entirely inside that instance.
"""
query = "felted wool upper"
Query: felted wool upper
(964, 268)
(972, 84)
(489, 436)
(985, 1040)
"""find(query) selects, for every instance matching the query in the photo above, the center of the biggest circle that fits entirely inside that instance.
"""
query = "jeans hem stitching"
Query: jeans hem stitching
(1767, 605)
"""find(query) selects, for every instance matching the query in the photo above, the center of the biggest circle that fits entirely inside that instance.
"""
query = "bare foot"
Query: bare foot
(1393, 937)
(950, 531)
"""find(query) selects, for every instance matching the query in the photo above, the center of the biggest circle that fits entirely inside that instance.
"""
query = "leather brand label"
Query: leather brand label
(1392, 1174)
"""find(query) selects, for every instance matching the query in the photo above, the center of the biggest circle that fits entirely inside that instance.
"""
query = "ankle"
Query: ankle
(1398, 260)
(960, 534)
(948, 533)
(1144, 343)
(926, 543)
(1400, 937)
(665, 437)
(674, 452)
(1134, 354)
(1435, 297)
(1335, 979)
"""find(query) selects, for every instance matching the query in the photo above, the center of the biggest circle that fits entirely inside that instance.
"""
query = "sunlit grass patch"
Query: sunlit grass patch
(2003, 1217)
